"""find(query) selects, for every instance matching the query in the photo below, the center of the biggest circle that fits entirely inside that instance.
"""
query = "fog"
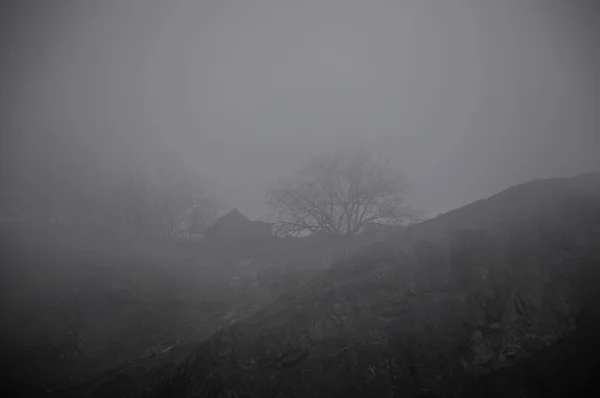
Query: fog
(205, 198)
(466, 97)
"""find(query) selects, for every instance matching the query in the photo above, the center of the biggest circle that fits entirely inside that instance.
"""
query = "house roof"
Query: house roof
(232, 218)
(234, 215)
(235, 219)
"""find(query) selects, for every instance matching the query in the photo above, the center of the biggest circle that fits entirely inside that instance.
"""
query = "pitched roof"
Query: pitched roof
(234, 215)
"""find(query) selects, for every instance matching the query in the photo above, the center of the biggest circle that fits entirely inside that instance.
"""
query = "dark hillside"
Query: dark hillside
(515, 204)
(483, 288)
(498, 293)
(78, 306)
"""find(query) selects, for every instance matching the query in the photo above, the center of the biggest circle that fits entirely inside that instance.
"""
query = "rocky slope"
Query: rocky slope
(425, 313)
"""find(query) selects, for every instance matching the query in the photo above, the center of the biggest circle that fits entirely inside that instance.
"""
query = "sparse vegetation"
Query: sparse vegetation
(253, 199)
(340, 195)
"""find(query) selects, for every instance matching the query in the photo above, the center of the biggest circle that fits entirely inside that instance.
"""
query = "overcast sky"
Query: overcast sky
(467, 96)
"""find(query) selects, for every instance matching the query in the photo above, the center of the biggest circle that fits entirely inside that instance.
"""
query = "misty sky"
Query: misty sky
(467, 96)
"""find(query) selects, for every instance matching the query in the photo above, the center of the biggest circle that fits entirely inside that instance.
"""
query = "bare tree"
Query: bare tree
(201, 215)
(339, 195)
(163, 205)
(176, 203)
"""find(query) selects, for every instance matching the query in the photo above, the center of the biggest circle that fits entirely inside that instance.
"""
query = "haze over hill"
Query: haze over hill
(466, 96)
(225, 198)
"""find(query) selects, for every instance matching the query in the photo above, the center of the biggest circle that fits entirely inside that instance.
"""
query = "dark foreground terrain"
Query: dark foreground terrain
(499, 298)
(81, 307)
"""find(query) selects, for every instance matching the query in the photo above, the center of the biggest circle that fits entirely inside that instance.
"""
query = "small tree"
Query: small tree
(164, 204)
(339, 195)
(202, 214)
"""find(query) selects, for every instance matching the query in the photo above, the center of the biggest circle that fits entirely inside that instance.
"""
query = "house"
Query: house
(235, 228)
